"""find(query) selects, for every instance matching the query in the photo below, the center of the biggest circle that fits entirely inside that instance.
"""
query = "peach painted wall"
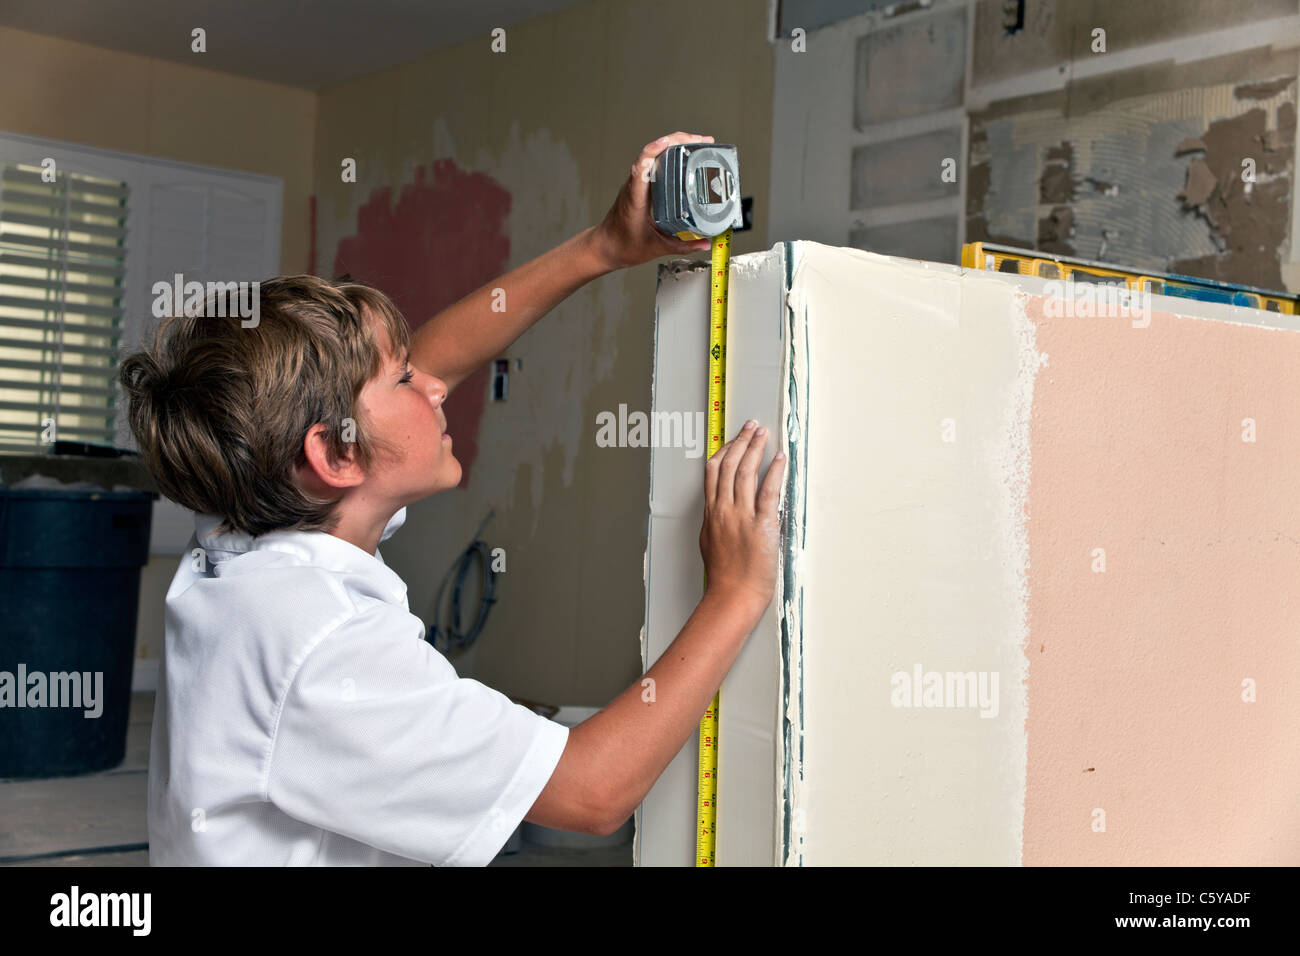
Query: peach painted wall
(1136, 673)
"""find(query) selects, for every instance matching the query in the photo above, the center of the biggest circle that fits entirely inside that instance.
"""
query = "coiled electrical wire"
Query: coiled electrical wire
(451, 635)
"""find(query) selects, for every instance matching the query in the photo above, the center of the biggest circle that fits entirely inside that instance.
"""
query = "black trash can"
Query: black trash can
(69, 585)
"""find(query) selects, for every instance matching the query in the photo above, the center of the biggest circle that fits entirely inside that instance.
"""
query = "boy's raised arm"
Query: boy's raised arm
(464, 336)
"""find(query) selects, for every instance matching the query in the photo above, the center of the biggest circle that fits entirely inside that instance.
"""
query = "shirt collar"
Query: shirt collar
(315, 548)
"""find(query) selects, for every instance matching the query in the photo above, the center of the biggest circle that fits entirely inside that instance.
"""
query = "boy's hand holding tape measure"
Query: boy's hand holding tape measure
(627, 236)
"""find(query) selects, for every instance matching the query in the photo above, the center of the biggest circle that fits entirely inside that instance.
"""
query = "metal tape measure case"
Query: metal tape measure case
(695, 190)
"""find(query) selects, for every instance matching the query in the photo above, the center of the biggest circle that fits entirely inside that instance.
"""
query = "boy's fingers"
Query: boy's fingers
(644, 165)
(711, 477)
(714, 464)
(722, 490)
(769, 496)
(730, 462)
(747, 473)
(656, 147)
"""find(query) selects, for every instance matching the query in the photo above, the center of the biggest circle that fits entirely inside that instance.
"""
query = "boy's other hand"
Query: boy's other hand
(741, 533)
(628, 235)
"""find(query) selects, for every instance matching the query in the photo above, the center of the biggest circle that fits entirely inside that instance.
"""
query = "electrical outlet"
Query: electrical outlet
(500, 379)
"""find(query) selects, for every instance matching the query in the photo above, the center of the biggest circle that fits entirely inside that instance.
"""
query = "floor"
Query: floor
(99, 819)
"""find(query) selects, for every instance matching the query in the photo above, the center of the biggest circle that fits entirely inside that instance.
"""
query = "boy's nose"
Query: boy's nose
(438, 390)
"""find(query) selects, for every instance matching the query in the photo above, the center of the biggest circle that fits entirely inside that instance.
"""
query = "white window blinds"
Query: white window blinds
(62, 271)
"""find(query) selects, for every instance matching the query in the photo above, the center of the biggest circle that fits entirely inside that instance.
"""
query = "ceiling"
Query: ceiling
(306, 43)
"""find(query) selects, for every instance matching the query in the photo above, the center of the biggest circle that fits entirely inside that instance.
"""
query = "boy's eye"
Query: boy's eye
(407, 377)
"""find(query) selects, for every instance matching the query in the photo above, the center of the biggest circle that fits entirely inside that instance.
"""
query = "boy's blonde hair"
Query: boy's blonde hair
(220, 412)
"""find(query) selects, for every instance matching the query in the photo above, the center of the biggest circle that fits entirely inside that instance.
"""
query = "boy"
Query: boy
(301, 718)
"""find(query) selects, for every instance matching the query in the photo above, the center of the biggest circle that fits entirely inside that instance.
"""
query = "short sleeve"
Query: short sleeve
(379, 740)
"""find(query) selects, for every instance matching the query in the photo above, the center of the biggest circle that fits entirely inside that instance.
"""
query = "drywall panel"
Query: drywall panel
(1037, 600)
(749, 715)
(1164, 675)
(674, 570)
(764, 815)
(914, 441)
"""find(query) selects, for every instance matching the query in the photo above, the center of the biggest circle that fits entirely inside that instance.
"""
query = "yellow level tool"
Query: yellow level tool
(706, 809)
(1047, 265)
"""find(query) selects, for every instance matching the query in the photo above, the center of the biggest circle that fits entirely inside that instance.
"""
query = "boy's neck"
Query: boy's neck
(363, 527)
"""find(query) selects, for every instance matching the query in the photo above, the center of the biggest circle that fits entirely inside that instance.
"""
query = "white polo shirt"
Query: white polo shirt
(302, 719)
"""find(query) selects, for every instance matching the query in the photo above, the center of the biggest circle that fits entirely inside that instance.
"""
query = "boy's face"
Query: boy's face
(403, 405)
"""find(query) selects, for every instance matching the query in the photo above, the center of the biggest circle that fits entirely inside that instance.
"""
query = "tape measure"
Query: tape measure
(695, 194)
(706, 807)
(695, 190)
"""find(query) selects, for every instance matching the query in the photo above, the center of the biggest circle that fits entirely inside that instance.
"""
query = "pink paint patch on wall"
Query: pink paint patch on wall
(1163, 575)
(444, 238)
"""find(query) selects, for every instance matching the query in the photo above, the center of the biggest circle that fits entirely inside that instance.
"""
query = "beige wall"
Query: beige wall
(95, 97)
(557, 120)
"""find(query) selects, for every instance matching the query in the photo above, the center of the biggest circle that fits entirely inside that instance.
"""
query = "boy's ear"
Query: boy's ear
(324, 467)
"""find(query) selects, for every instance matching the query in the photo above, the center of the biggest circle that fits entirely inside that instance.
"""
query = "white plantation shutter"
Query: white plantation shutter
(208, 233)
(62, 267)
(76, 283)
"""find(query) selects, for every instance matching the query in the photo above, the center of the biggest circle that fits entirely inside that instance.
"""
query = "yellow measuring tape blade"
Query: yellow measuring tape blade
(706, 808)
